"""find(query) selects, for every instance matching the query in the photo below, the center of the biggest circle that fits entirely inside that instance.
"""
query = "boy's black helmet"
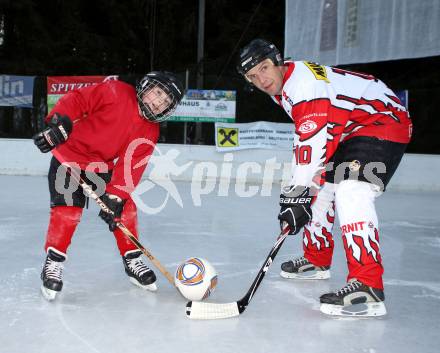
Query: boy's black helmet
(169, 83)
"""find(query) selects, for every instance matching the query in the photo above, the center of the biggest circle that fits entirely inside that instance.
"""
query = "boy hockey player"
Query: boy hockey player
(90, 128)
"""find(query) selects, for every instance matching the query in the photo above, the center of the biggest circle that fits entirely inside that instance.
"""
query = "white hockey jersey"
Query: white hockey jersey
(329, 105)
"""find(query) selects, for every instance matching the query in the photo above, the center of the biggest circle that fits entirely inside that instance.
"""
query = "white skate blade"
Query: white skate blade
(150, 287)
(357, 310)
(48, 294)
(306, 275)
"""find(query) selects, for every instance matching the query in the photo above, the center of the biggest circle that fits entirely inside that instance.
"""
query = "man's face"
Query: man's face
(267, 77)
(157, 100)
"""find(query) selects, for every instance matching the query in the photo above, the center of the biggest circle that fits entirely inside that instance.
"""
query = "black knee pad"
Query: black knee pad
(65, 190)
(365, 159)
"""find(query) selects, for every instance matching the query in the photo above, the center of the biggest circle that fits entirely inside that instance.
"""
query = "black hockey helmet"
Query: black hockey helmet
(169, 83)
(255, 52)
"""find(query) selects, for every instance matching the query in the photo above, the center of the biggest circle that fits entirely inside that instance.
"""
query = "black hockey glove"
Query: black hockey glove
(57, 132)
(116, 205)
(296, 209)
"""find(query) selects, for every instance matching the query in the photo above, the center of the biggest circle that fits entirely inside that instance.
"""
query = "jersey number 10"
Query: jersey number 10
(303, 154)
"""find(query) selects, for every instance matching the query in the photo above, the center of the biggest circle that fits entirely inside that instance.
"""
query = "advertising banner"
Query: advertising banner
(261, 134)
(403, 96)
(16, 91)
(206, 106)
(57, 86)
(333, 32)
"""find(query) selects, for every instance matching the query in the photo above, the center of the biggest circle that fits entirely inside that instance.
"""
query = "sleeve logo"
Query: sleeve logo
(317, 70)
(307, 126)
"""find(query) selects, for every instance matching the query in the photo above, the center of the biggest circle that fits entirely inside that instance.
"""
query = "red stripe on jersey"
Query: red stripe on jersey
(278, 99)
(310, 117)
(323, 115)
(387, 121)
(290, 67)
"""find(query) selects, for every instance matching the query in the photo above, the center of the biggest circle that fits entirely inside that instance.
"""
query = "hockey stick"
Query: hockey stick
(207, 311)
(88, 190)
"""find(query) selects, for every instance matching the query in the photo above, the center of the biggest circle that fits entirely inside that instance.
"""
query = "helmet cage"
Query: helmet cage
(147, 84)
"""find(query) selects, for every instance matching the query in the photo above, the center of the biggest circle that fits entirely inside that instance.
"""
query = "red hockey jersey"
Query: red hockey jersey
(108, 133)
(329, 105)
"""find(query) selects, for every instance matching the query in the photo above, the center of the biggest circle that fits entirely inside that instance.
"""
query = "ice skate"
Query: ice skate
(140, 274)
(355, 299)
(52, 274)
(301, 268)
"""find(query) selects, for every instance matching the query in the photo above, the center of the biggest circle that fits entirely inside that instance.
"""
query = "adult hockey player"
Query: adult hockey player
(350, 134)
(90, 128)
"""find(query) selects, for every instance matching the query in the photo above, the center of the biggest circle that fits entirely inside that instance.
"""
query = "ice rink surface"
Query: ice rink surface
(99, 310)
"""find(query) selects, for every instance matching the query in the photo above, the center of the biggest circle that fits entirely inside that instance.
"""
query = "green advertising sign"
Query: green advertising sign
(206, 106)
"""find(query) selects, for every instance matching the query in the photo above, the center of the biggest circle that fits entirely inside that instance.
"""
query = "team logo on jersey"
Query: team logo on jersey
(227, 137)
(318, 70)
(307, 126)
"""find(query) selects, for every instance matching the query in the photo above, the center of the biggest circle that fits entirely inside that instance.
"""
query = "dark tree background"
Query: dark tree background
(132, 37)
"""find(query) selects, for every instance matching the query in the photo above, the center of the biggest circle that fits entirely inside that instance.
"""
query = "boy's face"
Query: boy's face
(157, 100)
(267, 77)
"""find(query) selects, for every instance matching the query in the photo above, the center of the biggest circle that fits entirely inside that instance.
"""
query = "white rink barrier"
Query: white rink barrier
(416, 172)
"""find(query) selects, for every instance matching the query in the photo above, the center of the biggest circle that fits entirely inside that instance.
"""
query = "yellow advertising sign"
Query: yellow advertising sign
(227, 137)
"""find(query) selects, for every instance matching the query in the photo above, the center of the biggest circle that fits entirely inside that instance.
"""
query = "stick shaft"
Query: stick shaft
(244, 302)
(209, 311)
